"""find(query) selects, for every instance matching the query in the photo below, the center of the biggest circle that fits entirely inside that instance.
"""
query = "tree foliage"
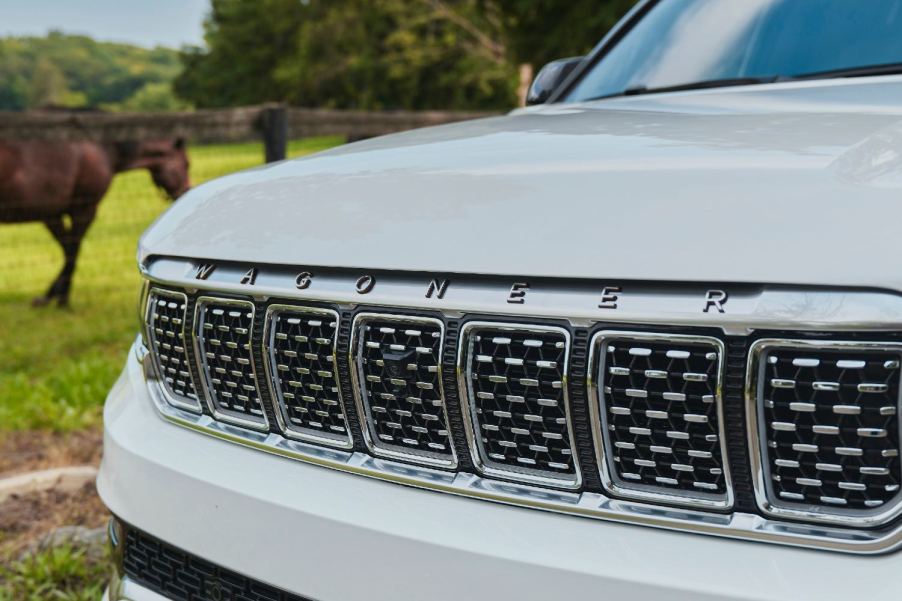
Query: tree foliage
(539, 31)
(78, 72)
(348, 54)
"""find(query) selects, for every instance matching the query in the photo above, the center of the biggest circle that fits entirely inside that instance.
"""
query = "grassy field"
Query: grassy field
(56, 365)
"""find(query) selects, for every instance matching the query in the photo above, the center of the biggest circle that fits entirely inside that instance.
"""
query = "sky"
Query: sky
(147, 23)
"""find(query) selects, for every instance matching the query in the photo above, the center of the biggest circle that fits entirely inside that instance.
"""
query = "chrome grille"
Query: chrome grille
(165, 320)
(396, 363)
(223, 333)
(659, 417)
(301, 362)
(827, 417)
(513, 379)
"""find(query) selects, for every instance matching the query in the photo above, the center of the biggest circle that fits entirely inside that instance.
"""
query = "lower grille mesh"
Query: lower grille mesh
(830, 426)
(515, 380)
(659, 408)
(180, 576)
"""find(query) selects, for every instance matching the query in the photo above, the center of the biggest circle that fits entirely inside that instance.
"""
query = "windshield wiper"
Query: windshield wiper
(887, 69)
(695, 85)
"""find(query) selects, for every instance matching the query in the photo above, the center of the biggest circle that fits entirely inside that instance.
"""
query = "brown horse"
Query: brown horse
(50, 181)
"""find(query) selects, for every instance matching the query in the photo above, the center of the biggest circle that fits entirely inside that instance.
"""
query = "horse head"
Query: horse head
(167, 161)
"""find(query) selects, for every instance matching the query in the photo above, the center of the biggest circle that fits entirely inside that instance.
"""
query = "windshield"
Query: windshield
(683, 42)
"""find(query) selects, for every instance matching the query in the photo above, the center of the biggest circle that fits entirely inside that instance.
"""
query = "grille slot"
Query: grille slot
(826, 418)
(659, 417)
(397, 376)
(165, 321)
(223, 334)
(300, 349)
(514, 386)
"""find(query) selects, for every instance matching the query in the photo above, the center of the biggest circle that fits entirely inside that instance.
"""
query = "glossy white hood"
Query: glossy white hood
(793, 183)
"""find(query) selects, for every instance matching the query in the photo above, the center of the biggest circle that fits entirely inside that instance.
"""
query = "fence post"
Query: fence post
(275, 132)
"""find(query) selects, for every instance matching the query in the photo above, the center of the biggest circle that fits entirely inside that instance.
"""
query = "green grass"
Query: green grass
(56, 365)
(58, 574)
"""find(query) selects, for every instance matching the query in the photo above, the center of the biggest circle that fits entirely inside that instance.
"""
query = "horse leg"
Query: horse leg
(70, 239)
(60, 233)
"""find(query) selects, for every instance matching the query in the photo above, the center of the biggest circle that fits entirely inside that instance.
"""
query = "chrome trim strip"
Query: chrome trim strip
(175, 399)
(767, 502)
(749, 307)
(598, 419)
(227, 416)
(278, 402)
(742, 526)
(363, 406)
(483, 464)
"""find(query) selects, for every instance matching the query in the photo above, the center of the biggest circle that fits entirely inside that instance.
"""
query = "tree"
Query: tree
(539, 31)
(348, 54)
(413, 54)
(76, 71)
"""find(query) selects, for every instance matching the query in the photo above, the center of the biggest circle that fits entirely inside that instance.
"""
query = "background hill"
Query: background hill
(73, 71)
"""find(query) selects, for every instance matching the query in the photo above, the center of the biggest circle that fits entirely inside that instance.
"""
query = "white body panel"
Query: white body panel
(792, 183)
(339, 537)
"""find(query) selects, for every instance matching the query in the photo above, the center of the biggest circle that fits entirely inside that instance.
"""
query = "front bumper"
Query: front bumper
(334, 536)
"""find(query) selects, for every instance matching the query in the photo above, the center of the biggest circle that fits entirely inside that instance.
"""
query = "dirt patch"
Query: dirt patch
(26, 518)
(37, 450)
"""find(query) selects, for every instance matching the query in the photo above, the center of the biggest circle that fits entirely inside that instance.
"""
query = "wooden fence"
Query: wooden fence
(273, 124)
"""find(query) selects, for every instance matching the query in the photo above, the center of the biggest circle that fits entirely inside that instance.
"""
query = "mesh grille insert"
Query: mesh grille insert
(829, 427)
(165, 329)
(223, 333)
(515, 382)
(397, 369)
(660, 417)
(301, 348)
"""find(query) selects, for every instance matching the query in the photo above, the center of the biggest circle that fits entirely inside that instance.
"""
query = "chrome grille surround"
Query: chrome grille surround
(164, 323)
(860, 313)
(656, 407)
(230, 381)
(518, 422)
(403, 414)
(842, 435)
(300, 350)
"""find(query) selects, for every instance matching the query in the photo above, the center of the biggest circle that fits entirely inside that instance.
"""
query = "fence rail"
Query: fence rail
(222, 125)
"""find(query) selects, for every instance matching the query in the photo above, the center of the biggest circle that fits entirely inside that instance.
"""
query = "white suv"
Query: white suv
(641, 341)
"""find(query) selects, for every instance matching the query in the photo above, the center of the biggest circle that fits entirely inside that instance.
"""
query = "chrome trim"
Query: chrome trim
(741, 526)
(767, 502)
(239, 419)
(123, 588)
(363, 407)
(278, 402)
(172, 397)
(482, 463)
(749, 307)
(598, 419)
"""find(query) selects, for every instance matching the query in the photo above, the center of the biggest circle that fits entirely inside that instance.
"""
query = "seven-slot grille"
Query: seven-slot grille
(822, 416)
(301, 360)
(396, 361)
(829, 429)
(513, 380)
(165, 321)
(223, 334)
(660, 417)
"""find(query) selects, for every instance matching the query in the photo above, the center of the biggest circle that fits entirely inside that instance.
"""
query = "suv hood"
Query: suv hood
(791, 183)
